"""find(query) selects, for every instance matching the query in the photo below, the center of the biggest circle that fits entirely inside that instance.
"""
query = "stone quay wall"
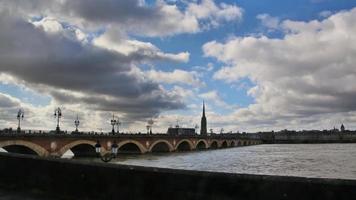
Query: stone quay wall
(68, 179)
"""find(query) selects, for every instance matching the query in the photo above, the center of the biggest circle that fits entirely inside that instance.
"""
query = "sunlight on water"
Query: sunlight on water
(308, 160)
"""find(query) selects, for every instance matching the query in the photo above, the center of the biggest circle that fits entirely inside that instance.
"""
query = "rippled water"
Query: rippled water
(308, 160)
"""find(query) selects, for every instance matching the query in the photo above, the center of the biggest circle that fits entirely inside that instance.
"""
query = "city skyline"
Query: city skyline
(259, 66)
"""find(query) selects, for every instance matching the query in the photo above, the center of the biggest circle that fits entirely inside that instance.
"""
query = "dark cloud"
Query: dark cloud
(133, 16)
(111, 11)
(7, 102)
(74, 72)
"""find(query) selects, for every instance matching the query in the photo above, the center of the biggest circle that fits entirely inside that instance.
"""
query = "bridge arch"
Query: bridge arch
(74, 144)
(238, 143)
(138, 145)
(224, 144)
(201, 144)
(167, 148)
(40, 151)
(232, 144)
(214, 144)
(184, 145)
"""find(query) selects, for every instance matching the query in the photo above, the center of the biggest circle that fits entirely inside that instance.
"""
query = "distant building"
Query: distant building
(203, 126)
(181, 131)
(342, 128)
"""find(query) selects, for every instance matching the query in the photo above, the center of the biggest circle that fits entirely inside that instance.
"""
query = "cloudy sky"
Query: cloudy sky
(259, 65)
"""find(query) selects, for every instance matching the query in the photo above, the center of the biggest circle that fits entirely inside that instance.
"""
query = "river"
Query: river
(306, 160)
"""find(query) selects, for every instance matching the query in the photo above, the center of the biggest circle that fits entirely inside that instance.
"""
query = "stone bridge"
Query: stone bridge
(83, 145)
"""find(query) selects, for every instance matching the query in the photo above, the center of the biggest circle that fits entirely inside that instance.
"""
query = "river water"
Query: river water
(306, 160)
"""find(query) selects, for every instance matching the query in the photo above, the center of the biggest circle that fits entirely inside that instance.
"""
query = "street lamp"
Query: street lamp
(76, 123)
(20, 116)
(148, 129)
(196, 128)
(58, 115)
(114, 149)
(113, 123)
(222, 131)
(108, 156)
(149, 125)
(118, 123)
(97, 148)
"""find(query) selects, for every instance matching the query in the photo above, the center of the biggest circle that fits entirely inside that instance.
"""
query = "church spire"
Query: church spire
(203, 127)
(203, 109)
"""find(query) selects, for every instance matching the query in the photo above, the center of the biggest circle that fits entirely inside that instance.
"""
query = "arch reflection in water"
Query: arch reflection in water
(19, 149)
(160, 147)
(201, 145)
(214, 145)
(83, 150)
(129, 148)
(184, 146)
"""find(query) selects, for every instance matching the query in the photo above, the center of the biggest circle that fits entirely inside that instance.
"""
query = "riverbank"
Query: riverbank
(68, 179)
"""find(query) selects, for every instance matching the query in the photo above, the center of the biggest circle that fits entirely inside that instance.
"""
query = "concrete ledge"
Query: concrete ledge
(70, 179)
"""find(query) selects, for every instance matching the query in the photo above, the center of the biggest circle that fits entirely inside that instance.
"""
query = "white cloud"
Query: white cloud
(132, 16)
(115, 40)
(269, 21)
(208, 68)
(325, 13)
(307, 74)
(207, 9)
(214, 97)
(49, 25)
(175, 77)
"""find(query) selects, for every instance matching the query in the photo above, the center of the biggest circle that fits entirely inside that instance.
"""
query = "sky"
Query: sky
(259, 65)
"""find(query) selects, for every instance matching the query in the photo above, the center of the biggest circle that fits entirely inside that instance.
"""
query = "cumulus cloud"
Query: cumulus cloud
(134, 16)
(309, 73)
(112, 39)
(216, 14)
(52, 59)
(269, 21)
(215, 98)
(82, 54)
(177, 76)
(325, 13)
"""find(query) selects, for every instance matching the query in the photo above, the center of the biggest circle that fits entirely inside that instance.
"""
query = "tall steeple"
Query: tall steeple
(203, 128)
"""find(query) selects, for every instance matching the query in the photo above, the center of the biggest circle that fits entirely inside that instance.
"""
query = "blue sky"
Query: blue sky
(165, 67)
(304, 10)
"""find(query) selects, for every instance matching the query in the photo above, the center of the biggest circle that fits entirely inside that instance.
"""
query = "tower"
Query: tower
(203, 128)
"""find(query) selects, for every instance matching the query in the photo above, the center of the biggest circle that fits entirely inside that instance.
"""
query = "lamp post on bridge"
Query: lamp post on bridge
(76, 123)
(20, 116)
(148, 129)
(97, 148)
(114, 149)
(58, 115)
(150, 123)
(118, 124)
(113, 123)
(196, 128)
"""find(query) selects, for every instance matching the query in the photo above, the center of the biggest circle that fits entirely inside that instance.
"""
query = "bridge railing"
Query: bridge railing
(30, 133)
